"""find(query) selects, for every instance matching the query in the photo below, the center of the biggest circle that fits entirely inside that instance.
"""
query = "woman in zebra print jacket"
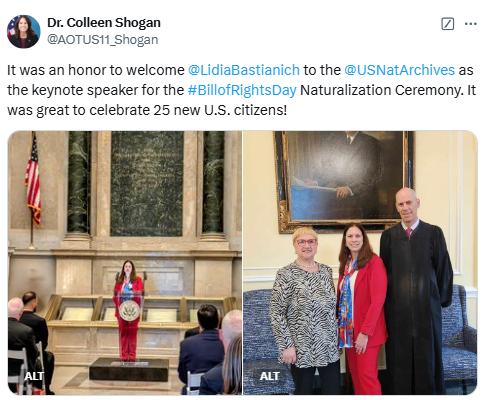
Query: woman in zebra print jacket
(303, 318)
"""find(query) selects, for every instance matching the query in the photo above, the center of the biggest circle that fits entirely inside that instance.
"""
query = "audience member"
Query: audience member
(195, 331)
(201, 352)
(19, 336)
(192, 332)
(211, 382)
(40, 328)
(231, 370)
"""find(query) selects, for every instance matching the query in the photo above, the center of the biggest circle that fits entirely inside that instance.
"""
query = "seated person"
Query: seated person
(232, 367)
(191, 332)
(201, 352)
(40, 328)
(211, 382)
(20, 336)
(196, 330)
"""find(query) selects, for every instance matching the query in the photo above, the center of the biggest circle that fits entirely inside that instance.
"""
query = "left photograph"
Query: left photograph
(124, 262)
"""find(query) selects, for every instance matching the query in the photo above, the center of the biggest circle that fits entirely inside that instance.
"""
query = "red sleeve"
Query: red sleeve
(378, 290)
(138, 285)
(137, 288)
(117, 288)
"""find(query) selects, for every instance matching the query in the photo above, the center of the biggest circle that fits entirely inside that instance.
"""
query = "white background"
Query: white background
(253, 32)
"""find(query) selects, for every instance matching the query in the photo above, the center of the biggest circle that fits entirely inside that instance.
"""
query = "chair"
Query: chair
(260, 353)
(459, 340)
(20, 379)
(193, 381)
(41, 358)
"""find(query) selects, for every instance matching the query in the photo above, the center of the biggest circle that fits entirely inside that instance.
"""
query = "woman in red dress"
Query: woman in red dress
(128, 286)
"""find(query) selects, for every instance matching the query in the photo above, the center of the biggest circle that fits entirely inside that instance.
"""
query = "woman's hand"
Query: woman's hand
(289, 356)
(361, 343)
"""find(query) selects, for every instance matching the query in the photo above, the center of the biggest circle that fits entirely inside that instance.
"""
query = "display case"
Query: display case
(192, 304)
(83, 328)
(72, 308)
(163, 310)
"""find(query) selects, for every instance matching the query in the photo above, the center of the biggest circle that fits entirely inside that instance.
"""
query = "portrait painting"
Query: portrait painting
(330, 178)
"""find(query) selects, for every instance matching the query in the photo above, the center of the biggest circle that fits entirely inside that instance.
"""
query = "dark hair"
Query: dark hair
(28, 297)
(208, 316)
(120, 280)
(30, 32)
(364, 255)
(231, 369)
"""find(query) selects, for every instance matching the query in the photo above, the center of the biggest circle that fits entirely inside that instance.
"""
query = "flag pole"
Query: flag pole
(31, 246)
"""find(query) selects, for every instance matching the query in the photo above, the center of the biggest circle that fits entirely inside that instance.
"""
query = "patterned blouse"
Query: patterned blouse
(303, 314)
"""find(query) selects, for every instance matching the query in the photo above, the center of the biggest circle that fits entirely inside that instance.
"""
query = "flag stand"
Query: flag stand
(31, 246)
(32, 184)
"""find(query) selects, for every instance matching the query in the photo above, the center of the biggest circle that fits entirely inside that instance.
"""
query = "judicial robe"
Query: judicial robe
(420, 283)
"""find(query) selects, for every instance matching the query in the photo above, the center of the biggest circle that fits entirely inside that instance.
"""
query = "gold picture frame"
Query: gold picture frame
(312, 167)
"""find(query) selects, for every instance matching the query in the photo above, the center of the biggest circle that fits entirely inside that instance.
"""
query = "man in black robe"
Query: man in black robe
(420, 283)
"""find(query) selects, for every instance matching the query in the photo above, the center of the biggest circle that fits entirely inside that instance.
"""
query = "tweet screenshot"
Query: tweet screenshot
(259, 198)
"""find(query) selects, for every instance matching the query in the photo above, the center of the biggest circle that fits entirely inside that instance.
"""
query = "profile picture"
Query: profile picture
(23, 31)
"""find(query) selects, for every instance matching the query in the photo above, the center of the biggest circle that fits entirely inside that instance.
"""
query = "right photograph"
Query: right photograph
(359, 262)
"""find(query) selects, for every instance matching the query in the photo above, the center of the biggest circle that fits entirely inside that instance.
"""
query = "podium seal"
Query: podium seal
(129, 310)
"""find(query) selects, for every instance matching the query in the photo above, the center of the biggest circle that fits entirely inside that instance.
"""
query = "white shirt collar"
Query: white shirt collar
(413, 226)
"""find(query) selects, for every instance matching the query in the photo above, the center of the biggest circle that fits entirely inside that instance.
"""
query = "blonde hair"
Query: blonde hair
(304, 231)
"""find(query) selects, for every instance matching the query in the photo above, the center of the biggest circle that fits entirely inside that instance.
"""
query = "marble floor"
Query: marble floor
(74, 381)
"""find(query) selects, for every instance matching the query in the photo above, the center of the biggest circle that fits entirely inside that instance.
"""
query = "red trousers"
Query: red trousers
(128, 339)
(364, 372)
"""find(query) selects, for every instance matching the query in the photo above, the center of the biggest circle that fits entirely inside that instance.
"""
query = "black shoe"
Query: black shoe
(50, 393)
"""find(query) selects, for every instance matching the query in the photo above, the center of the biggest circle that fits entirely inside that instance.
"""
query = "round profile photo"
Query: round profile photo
(23, 31)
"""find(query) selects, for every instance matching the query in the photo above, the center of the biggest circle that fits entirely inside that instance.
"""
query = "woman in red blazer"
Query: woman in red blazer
(128, 286)
(362, 288)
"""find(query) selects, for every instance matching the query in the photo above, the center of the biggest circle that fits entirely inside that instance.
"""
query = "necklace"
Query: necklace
(305, 265)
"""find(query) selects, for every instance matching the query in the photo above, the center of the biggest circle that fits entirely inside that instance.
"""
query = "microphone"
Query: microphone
(116, 278)
(145, 278)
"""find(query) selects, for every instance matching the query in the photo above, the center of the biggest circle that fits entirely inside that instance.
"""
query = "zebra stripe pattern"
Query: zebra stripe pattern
(303, 315)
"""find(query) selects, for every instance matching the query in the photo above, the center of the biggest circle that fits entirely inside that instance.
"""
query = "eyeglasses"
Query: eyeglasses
(310, 242)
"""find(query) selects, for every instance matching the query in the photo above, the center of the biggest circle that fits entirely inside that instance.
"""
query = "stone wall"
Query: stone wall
(67, 261)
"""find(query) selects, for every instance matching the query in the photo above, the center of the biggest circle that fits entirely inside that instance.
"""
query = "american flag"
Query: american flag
(11, 26)
(33, 183)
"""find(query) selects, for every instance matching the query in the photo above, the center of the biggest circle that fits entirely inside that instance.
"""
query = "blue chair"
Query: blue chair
(260, 353)
(459, 340)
